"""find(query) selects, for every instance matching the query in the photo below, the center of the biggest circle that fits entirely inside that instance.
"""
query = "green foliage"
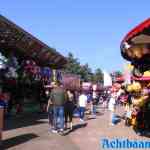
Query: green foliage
(116, 74)
(98, 76)
(84, 71)
(73, 65)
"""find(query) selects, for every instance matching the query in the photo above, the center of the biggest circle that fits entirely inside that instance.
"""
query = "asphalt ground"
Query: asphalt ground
(31, 132)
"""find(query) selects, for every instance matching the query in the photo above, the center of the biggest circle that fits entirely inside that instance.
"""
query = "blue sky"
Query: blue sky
(90, 29)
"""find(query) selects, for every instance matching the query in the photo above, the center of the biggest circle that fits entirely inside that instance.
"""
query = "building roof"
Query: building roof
(141, 28)
(138, 35)
(24, 45)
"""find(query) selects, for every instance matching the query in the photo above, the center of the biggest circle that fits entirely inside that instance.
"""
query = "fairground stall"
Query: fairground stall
(27, 67)
(135, 48)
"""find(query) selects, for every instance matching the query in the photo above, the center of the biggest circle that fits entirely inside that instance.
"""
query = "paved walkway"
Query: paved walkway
(31, 133)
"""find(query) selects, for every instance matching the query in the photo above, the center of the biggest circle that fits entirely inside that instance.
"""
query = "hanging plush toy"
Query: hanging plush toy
(46, 72)
(29, 67)
(136, 87)
(129, 88)
(135, 112)
(137, 51)
(12, 62)
(139, 101)
(12, 73)
(38, 73)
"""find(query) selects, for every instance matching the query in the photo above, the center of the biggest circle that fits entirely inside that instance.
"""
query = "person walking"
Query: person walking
(50, 113)
(89, 102)
(69, 108)
(82, 105)
(112, 107)
(58, 98)
(94, 103)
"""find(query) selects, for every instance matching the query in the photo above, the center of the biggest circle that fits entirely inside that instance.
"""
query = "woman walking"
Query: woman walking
(69, 108)
(50, 114)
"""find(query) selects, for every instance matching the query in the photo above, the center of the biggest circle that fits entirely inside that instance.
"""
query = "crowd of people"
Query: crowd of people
(62, 104)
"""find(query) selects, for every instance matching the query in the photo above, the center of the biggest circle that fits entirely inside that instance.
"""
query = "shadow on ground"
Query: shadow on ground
(24, 120)
(99, 113)
(11, 142)
(75, 127)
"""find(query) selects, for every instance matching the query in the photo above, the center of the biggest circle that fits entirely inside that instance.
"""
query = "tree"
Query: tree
(86, 73)
(98, 76)
(116, 74)
(74, 67)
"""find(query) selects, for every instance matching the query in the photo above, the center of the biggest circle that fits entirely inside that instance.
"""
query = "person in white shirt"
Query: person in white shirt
(112, 106)
(82, 105)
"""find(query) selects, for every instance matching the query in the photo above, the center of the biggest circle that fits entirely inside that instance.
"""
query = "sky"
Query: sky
(91, 29)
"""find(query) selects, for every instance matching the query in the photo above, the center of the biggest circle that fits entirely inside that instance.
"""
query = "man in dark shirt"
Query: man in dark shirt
(58, 98)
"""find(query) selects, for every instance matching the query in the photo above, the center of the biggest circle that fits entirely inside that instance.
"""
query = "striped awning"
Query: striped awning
(140, 35)
(137, 30)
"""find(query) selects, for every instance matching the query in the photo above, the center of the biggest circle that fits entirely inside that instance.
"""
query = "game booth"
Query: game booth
(27, 67)
(135, 48)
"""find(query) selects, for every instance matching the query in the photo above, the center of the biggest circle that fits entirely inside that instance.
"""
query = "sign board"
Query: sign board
(71, 81)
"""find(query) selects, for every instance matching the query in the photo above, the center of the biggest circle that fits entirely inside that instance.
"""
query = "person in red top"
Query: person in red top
(3, 103)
